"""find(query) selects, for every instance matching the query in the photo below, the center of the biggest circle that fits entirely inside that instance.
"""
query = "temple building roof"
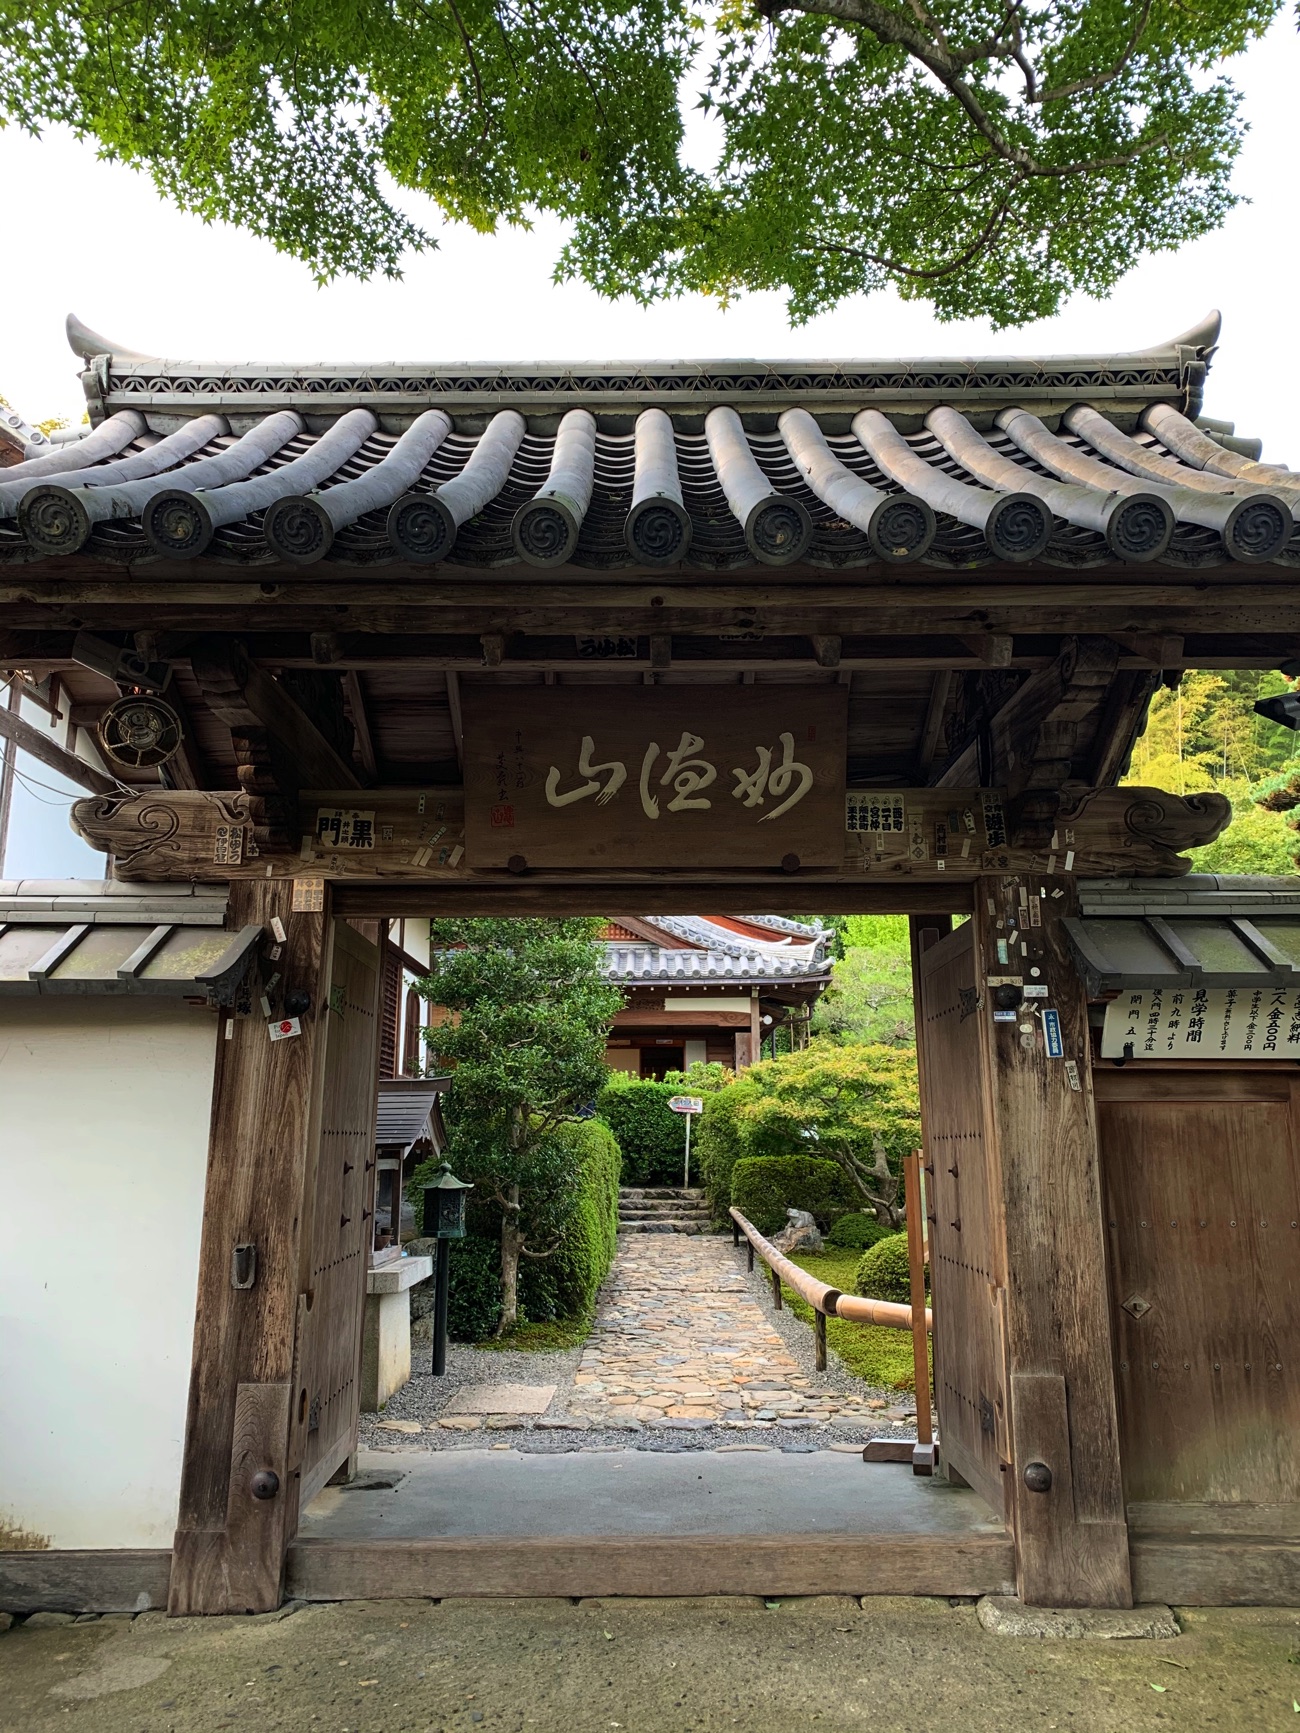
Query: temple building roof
(1067, 461)
(681, 950)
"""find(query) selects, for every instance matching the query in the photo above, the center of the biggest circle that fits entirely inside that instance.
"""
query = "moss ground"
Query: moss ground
(546, 1338)
(878, 1356)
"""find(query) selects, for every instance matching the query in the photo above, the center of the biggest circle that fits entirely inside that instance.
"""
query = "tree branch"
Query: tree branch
(1099, 79)
(889, 27)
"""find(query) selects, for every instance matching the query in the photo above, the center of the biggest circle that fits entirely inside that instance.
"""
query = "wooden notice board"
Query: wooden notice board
(657, 776)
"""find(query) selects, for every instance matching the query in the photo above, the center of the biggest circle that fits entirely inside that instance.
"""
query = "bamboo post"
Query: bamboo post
(819, 1336)
(924, 1454)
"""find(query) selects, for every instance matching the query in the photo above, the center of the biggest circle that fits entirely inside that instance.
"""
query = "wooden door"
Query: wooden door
(967, 1257)
(336, 1232)
(1203, 1211)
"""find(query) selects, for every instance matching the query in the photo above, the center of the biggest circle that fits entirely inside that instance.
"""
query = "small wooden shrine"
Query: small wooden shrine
(371, 642)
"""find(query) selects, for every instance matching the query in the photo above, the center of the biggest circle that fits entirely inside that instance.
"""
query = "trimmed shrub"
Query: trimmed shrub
(574, 1272)
(857, 1230)
(473, 1289)
(650, 1135)
(883, 1271)
(718, 1142)
(563, 1285)
(765, 1187)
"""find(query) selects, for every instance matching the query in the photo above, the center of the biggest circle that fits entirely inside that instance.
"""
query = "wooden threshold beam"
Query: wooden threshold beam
(668, 1565)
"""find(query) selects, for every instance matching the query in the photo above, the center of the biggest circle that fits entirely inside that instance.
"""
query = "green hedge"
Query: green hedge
(473, 1288)
(857, 1230)
(561, 1286)
(718, 1144)
(573, 1274)
(651, 1136)
(765, 1187)
(884, 1271)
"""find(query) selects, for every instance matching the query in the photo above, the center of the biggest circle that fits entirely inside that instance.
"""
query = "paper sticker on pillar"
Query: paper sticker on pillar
(284, 1028)
(1052, 1033)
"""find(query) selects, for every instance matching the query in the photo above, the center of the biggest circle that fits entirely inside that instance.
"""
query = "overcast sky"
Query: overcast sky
(164, 284)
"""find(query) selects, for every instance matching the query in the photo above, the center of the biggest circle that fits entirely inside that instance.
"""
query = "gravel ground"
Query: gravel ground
(424, 1398)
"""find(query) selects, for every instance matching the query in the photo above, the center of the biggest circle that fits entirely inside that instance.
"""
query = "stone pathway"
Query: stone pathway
(679, 1337)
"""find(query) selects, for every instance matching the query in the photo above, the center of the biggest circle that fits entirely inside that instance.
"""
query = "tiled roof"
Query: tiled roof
(1205, 930)
(717, 954)
(88, 937)
(1070, 461)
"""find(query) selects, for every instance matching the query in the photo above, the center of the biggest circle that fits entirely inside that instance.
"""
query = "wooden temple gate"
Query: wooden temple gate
(869, 638)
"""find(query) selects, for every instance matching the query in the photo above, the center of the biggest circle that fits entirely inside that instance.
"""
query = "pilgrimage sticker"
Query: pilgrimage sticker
(1052, 1033)
(1203, 1023)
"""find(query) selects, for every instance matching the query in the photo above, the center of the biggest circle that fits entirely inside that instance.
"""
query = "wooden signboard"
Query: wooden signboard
(666, 776)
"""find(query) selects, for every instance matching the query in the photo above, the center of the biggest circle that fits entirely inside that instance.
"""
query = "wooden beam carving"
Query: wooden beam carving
(934, 835)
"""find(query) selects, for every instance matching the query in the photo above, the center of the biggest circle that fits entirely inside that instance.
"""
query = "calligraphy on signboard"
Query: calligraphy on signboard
(659, 776)
(1203, 1023)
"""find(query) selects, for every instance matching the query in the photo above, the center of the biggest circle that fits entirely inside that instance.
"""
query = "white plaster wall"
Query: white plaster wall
(104, 1108)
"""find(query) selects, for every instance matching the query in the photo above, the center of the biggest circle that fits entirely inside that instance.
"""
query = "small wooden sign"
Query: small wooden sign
(664, 776)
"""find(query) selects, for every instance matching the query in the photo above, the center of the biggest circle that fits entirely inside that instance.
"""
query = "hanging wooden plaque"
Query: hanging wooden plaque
(658, 776)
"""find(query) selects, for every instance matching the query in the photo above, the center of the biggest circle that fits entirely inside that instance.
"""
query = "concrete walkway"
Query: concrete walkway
(736, 1666)
(747, 1490)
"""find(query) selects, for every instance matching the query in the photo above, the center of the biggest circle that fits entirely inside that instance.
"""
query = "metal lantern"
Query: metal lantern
(444, 1206)
(140, 732)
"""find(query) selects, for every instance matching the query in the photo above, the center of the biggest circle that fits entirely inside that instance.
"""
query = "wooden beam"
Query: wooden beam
(661, 650)
(994, 650)
(1072, 1537)
(1123, 717)
(25, 738)
(85, 1580)
(933, 726)
(417, 836)
(1157, 649)
(457, 716)
(781, 1564)
(826, 649)
(361, 722)
(229, 1548)
(494, 648)
(654, 896)
(1036, 734)
(245, 698)
(8, 761)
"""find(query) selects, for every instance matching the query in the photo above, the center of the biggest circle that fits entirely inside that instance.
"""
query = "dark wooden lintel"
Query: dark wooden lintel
(681, 895)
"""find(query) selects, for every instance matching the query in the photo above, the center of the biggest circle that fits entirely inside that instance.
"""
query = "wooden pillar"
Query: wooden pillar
(228, 1554)
(1066, 1492)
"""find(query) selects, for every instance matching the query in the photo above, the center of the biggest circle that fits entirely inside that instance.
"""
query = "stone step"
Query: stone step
(665, 1225)
(642, 1212)
(655, 1193)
